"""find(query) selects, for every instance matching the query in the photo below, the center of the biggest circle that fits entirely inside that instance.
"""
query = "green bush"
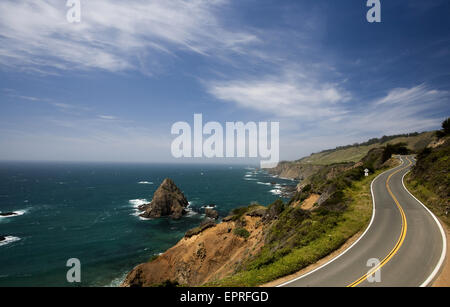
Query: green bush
(241, 232)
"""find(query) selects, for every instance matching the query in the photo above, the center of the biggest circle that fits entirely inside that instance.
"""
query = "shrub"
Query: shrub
(241, 232)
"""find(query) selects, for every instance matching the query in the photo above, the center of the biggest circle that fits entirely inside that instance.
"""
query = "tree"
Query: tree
(446, 126)
(445, 129)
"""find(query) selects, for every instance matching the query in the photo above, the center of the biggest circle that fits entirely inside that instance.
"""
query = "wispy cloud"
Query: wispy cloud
(52, 102)
(403, 110)
(420, 93)
(107, 117)
(112, 35)
(290, 94)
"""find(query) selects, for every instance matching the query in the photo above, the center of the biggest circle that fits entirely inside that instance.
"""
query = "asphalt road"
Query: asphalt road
(404, 244)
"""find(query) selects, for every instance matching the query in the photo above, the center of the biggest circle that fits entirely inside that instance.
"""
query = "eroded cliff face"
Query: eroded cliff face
(294, 170)
(168, 200)
(212, 254)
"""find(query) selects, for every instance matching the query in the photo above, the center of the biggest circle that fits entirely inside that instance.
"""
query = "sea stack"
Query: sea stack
(168, 200)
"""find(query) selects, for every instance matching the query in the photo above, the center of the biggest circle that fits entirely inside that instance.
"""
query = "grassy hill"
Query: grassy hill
(354, 153)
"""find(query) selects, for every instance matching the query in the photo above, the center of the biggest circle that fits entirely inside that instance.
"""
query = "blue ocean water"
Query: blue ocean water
(87, 211)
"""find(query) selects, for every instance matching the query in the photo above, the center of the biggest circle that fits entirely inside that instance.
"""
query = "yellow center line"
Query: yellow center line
(400, 239)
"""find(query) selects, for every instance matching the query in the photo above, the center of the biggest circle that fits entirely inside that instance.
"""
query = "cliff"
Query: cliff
(294, 170)
(168, 200)
(203, 256)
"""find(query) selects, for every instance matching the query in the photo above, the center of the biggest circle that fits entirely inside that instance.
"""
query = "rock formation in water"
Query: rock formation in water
(168, 200)
(211, 213)
(8, 214)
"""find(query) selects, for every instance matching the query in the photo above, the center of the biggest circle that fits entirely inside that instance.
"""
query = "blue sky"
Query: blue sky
(110, 87)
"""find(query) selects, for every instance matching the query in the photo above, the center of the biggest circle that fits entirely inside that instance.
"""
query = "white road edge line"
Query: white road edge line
(354, 243)
(430, 278)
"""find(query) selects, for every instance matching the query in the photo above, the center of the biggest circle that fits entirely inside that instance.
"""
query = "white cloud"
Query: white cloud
(409, 96)
(112, 35)
(107, 117)
(287, 95)
(403, 110)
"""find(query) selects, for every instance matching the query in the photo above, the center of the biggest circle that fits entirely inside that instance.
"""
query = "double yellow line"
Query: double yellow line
(400, 239)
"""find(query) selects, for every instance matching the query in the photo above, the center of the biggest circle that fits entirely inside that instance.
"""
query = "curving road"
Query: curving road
(404, 244)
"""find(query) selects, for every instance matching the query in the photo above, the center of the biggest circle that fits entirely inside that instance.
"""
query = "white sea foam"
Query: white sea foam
(17, 213)
(138, 202)
(145, 182)
(9, 239)
(275, 191)
(209, 207)
(189, 211)
(264, 183)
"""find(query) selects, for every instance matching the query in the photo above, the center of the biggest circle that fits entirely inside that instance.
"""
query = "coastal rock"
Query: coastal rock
(2, 238)
(168, 200)
(211, 213)
(8, 214)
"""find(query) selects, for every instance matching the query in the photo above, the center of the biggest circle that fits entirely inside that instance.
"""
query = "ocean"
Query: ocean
(88, 211)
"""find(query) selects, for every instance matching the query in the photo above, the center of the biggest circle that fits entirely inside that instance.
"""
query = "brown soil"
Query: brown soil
(308, 204)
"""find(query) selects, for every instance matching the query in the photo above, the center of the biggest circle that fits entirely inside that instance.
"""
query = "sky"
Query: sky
(110, 87)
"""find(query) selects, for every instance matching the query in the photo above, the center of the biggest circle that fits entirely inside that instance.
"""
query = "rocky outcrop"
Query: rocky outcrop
(211, 213)
(198, 230)
(2, 238)
(8, 214)
(168, 200)
(201, 257)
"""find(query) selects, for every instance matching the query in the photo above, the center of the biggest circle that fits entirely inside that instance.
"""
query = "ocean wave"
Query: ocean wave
(16, 213)
(9, 239)
(209, 207)
(138, 202)
(145, 182)
(264, 183)
(189, 211)
(275, 191)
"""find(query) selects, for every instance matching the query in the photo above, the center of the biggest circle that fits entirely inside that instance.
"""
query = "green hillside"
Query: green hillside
(354, 153)
(430, 178)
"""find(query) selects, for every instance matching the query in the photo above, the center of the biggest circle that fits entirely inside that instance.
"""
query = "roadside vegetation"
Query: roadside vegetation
(430, 178)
